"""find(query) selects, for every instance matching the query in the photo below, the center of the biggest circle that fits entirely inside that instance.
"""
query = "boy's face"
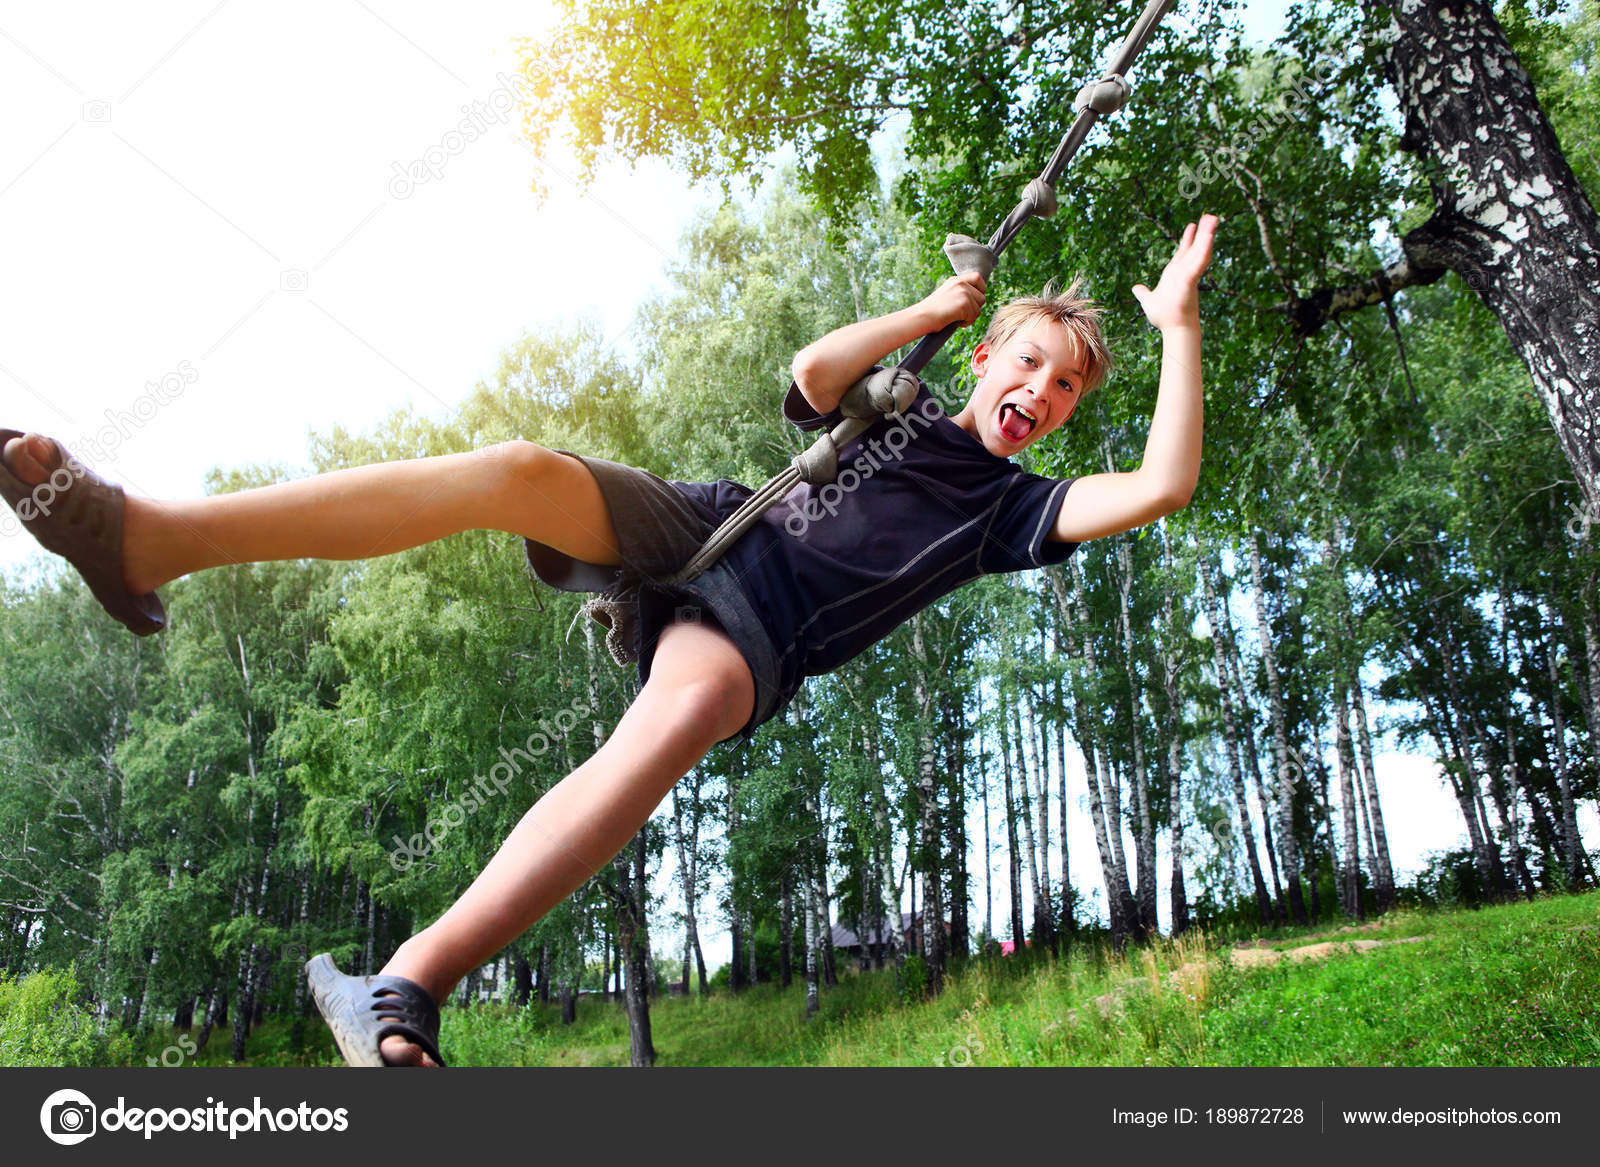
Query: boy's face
(1026, 387)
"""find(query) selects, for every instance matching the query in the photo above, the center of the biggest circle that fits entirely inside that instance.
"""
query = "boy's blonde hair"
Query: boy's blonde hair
(1078, 314)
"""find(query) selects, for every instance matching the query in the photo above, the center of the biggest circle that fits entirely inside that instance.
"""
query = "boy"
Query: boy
(824, 574)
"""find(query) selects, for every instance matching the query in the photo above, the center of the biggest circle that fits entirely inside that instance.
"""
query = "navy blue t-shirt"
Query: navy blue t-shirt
(919, 507)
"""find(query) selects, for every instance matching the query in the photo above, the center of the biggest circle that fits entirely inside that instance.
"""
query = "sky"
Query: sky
(214, 245)
(214, 196)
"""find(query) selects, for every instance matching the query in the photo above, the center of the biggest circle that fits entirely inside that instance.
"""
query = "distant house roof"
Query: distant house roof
(844, 938)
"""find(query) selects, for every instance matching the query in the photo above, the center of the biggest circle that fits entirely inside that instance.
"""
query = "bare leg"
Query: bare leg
(700, 691)
(358, 513)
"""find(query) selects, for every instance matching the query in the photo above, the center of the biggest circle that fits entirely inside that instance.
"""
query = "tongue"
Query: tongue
(1013, 425)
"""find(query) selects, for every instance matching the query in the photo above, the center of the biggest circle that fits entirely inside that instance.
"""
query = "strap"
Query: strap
(415, 1036)
(405, 1008)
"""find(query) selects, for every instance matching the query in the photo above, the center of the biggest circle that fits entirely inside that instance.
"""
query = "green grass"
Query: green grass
(271, 1043)
(1511, 985)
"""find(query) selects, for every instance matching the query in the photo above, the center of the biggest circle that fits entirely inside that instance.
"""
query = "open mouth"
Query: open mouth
(1016, 422)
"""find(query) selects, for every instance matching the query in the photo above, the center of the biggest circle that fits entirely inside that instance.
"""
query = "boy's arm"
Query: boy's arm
(825, 369)
(1105, 504)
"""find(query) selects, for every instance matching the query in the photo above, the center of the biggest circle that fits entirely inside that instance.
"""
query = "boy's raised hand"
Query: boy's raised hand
(1175, 302)
(956, 301)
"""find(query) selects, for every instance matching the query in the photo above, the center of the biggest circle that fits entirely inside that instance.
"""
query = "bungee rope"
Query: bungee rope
(891, 390)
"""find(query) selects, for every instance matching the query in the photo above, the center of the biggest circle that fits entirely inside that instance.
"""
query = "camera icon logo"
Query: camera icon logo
(686, 615)
(294, 280)
(98, 110)
(68, 1117)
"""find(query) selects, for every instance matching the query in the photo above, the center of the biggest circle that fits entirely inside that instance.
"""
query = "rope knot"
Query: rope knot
(819, 462)
(966, 254)
(885, 391)
(1105, 96)
(1043, 197)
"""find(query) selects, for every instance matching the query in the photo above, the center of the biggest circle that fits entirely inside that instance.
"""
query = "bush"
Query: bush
(1450, 879)
(44, 1023)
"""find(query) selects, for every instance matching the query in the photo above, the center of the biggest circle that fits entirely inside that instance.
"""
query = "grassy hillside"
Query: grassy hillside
(1512, 985)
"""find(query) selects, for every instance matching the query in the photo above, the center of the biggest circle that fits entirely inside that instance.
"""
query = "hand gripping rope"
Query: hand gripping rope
(890, 391)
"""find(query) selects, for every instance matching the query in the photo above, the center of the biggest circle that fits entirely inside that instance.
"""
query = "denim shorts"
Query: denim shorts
(658, 531)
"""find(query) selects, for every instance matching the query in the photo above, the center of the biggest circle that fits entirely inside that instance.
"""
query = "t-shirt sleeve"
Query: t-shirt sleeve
(1019, 536)
(797, 410)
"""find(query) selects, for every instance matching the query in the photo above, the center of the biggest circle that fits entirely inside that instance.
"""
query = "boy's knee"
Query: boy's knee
(718, 696)
(527, 463)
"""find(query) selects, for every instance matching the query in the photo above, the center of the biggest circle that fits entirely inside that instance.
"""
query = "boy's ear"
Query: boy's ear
(980, 358)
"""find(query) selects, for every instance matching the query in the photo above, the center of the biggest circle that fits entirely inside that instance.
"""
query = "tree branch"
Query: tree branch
(1422, 263)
